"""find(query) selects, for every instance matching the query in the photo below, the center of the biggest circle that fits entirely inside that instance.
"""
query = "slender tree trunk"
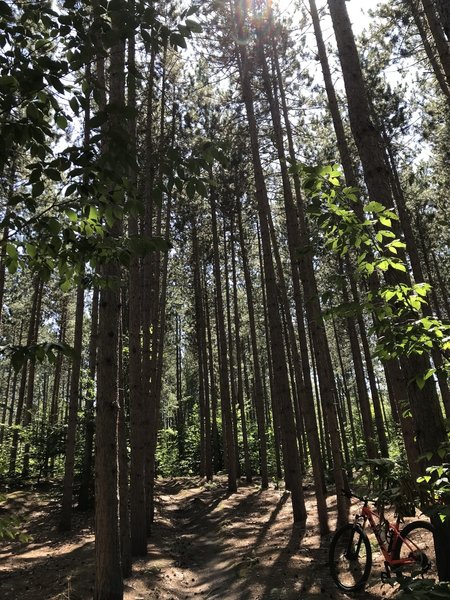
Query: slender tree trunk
(138, 421)
(430, 52)
(108, 572)
(281, 379)
(215, 430)
(346, 392)
(28, 413)
(363, 397)
(443, 9)
(273, 403)
(442, 284)
(159, 360)
(205, 418)
(240, 384)
(257, 377)
(65, 523)
(124, 495)
(300, 238)
(442, 44)
(231, 351)
(227, 417)
(86, 484)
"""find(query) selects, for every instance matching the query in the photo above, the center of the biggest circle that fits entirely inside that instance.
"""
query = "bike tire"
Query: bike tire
(350, 573)
(418, 544)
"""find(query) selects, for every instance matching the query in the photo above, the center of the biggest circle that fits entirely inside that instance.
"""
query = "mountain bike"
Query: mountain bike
(409, 551)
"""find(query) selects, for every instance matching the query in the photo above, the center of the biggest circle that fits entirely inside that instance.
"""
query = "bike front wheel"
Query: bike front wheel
(350, 558)
(416, 547)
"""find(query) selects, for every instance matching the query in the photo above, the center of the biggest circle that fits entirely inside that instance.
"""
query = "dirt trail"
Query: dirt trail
(205, 544)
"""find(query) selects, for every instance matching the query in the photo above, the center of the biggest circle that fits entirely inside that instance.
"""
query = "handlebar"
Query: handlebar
(351, 494)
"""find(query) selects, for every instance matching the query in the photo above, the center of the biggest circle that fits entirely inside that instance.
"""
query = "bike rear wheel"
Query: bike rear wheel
(350, 558)
(417, 545)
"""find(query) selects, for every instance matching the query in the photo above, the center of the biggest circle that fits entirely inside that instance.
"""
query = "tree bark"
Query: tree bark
(424, 403)
(65, 523)
(227, 418)
(108, 568)
(281, 379)
(257, 377)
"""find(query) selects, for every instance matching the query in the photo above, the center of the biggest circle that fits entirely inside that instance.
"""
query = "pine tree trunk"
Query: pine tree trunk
(28, 412)
(86, 484)
(124, 495)
(430, 52)
(443, 9)
(65, 523)
(363, 397)
(257, 378)
(442, 44)
(227, 417)
(23, 381)
(424, 403)
(205, 418)
(345, 392)
(313, 310)
(231, 351)
(108, 569)
(240, 385)
(217, 461)
(138, 420)
(273, 403)
(281, 379)
(442, 285)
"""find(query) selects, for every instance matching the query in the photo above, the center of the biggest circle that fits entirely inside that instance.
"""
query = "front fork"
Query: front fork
(352, 550)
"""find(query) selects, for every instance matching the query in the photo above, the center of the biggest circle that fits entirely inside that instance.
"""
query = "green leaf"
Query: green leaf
(54, 225)
(53, 174)
(37, 189)
(11, 251)
(61, 121)
(193, 26)
(375, 207)
(72, 215)
(8, 83)
(98, 120)
(12, 266)
(177, 40)
(190, 189)
(66, 285)
(398, 266)
(201, 189)
(31, 250)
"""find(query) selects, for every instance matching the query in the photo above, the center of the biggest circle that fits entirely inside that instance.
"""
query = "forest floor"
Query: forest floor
(205, 544)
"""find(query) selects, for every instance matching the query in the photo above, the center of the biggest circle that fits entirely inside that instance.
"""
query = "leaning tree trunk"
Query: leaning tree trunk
(293, 245)
(442, 44)
(313, 310)
(424, 403)
(429, 50)
(281, 378)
